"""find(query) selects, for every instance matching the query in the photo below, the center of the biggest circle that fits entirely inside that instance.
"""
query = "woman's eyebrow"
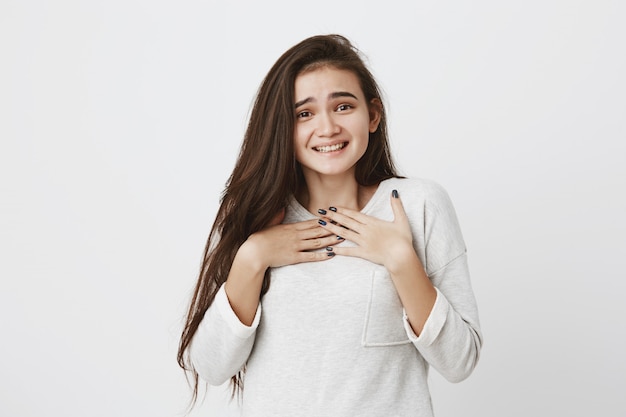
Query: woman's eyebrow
(331, 96)
(302, 102)
(341, 94)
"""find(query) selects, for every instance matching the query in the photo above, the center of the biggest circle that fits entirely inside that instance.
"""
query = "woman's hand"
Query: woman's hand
(389, 244)
(286, 244)
(276, 245)
(379, 241)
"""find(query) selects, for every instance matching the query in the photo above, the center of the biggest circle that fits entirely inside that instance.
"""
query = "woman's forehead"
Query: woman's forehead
(326, 80)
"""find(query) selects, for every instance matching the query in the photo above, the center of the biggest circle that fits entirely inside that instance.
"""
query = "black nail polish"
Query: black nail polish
(322, 222)
(332, 209)
(321, 211)
(330, 253)
(339, 238)
(394, 193)
(329, 248)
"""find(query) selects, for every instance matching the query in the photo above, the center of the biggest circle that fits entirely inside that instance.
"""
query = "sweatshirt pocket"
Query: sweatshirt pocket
(384, 325)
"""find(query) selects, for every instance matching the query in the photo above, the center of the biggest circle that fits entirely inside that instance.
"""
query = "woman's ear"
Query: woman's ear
(375, 111)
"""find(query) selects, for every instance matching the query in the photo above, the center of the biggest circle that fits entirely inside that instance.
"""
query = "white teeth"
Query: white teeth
(330, 148)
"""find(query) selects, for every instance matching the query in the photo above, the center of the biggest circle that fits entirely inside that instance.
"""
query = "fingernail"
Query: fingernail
(394, 193)
(322, 222)
(321, 211)
(330, 253)
(339, 238)
(332, 209)
(329, 248)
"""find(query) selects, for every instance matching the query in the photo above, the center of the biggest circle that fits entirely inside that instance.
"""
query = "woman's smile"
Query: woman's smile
(331, 148)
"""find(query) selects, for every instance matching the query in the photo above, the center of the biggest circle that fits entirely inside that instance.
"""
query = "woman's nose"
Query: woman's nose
(327, 125)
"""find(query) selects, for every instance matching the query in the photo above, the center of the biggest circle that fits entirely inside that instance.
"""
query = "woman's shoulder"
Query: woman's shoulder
(422, 188)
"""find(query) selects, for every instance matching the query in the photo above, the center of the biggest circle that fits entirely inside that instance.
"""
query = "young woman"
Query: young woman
(329, 283)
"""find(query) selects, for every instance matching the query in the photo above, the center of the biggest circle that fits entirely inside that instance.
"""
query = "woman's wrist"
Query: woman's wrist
(397, 257)
(250, 258)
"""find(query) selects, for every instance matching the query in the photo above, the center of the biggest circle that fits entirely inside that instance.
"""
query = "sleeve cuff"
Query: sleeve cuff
(434, 323)
(226, 311)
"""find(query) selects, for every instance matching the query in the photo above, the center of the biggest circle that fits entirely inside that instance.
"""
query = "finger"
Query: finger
(397, 207)
(345, 218)
(340, 231)
(352, 214)
(325, 242)
(311, 244)
(354, 251)
(315, 233)
(306, 225)
(315, 256)
(331, 240)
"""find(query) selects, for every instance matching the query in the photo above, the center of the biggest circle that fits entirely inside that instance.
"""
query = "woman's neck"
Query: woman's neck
(322, 192)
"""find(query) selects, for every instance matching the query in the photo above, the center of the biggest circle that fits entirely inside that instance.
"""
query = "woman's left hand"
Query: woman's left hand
(389, 244)
(379, 241)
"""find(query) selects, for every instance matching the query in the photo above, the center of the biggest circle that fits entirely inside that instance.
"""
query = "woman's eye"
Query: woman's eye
(344, 107)
(303, 114)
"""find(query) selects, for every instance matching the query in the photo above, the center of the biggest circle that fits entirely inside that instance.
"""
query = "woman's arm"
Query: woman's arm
(225, 336)
(277, 245)
(441, 317)
(451, 339)
(389, 244)
(221, 344)
(415, 290)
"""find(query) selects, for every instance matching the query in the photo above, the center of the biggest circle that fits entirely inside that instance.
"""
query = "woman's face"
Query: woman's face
(333, 121)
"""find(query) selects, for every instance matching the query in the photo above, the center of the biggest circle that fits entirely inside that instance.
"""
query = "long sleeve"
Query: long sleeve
(222, 343)
(451, 339)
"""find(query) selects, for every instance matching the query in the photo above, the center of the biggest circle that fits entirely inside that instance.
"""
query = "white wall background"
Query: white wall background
(120, 121)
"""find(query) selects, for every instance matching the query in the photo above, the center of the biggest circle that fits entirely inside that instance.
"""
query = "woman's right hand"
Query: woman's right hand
(286, 244)
(276, 245)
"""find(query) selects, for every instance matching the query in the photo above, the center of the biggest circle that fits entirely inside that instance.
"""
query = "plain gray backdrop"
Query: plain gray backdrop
(120, 122)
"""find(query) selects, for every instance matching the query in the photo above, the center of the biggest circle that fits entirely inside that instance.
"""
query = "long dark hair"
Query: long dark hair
(267, 174)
